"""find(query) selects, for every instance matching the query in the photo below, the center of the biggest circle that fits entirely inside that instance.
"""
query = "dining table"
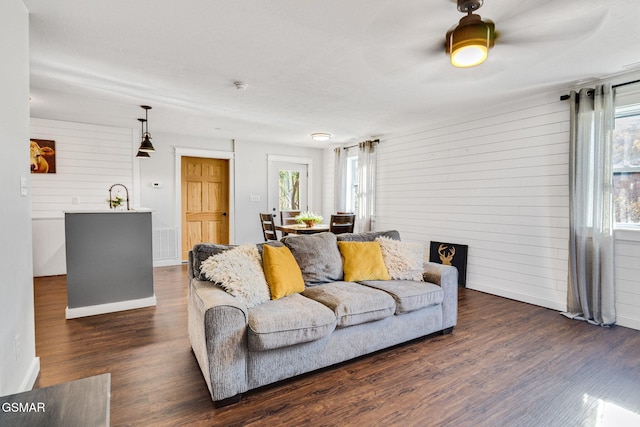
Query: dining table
(303, 228)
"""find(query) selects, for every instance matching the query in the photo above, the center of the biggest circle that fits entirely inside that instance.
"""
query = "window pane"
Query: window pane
(626, 142)
(627, 197)
(352, 184)
(289, 194)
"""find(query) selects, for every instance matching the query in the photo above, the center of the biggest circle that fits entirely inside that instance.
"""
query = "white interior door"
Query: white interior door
(288, 186)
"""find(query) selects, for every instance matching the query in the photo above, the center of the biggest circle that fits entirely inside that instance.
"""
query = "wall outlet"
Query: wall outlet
(18, 347)
(75, 200)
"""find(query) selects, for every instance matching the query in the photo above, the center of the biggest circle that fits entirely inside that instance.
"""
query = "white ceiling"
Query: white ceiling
(353, 68)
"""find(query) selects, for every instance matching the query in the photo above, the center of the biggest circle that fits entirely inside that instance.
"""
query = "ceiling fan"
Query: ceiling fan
(469, 42)
(408, 39)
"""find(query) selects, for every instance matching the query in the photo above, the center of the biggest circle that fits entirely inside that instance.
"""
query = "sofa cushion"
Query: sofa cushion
(239, 272)
(282, 272)
(403, 259)
(409, 295)
(368, 236)
(352, 303)
(362, 261)
(317, 255)
(291, 320)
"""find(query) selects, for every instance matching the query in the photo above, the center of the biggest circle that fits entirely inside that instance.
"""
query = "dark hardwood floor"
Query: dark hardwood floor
(506, 364)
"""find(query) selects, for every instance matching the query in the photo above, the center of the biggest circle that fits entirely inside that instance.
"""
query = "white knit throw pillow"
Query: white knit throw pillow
(402, 259)
(239, 272)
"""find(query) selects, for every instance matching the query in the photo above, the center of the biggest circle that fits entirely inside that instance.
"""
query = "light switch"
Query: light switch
(254, 198)
(23, 186)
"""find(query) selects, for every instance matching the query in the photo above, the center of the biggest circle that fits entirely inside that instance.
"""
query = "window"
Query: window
(289, 190)
(626, 165)
(352, 184)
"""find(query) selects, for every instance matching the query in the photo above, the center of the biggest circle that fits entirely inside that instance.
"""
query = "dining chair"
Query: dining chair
(268, 227)
(342, 223)
(288, 218)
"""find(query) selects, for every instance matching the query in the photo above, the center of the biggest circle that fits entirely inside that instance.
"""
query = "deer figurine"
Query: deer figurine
(446, 258)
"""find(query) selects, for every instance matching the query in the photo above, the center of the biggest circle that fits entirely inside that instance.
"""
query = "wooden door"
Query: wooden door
(205, 202)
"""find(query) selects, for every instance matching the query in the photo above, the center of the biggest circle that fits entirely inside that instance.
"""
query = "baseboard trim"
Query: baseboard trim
(166, 262)
(628, 322)
(92, 310)
(31, 377)
(529, 299)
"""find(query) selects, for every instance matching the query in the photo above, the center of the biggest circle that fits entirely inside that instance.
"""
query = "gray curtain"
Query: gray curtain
(366, 192)
(591, 290)
(340, 180)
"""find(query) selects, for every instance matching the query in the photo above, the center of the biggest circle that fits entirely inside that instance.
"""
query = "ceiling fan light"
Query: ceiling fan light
(469, 43)
(469, 56)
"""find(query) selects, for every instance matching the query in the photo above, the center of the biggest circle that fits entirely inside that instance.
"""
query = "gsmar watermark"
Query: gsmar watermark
(23, 407)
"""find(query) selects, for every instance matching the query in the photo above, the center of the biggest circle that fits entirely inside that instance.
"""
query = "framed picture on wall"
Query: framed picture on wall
(42, 153)
(451, 254)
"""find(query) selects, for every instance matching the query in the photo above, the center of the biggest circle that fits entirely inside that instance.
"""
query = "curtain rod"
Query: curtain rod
(377, 141)
(565, 97)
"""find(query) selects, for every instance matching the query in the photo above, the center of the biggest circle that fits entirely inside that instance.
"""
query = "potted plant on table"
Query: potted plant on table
(308, 218)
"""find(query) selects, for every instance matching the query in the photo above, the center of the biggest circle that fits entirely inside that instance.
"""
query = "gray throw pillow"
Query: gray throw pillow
(318, 257)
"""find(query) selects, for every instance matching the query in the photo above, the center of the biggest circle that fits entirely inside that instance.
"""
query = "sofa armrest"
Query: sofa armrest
(217, 331)
(446, 277)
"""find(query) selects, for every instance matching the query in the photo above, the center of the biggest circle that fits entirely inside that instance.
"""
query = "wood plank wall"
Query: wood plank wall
(627, 251)
(499, 183)
(89, 159)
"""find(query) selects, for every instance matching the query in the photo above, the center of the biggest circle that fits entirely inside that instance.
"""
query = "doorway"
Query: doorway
(204, 203)
(288, 184)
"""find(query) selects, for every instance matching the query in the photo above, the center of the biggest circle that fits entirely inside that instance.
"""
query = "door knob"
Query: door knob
(224, 214)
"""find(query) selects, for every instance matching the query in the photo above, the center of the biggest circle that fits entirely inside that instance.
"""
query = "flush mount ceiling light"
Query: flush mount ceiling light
(142, 154)
(469, 42)
(145, 145)
(320, 136)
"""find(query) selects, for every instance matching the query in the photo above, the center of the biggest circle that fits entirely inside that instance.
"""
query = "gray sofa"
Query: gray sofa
(240, 349)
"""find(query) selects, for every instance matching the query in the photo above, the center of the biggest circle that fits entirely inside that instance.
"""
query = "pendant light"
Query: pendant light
(469, 42)
(142, 154)
(145, 145)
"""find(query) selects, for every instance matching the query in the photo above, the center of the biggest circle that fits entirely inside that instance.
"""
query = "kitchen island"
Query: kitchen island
(109, 261)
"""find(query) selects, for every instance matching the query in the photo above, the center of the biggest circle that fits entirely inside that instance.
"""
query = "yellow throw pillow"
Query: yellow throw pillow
(282, 271)
(362, 261)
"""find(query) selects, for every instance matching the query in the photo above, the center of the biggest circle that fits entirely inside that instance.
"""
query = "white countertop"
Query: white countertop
(114, 211)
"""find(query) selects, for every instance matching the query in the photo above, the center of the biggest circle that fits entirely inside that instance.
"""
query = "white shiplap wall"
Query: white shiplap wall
(498, 183)
(628, 278)
(89, 159)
